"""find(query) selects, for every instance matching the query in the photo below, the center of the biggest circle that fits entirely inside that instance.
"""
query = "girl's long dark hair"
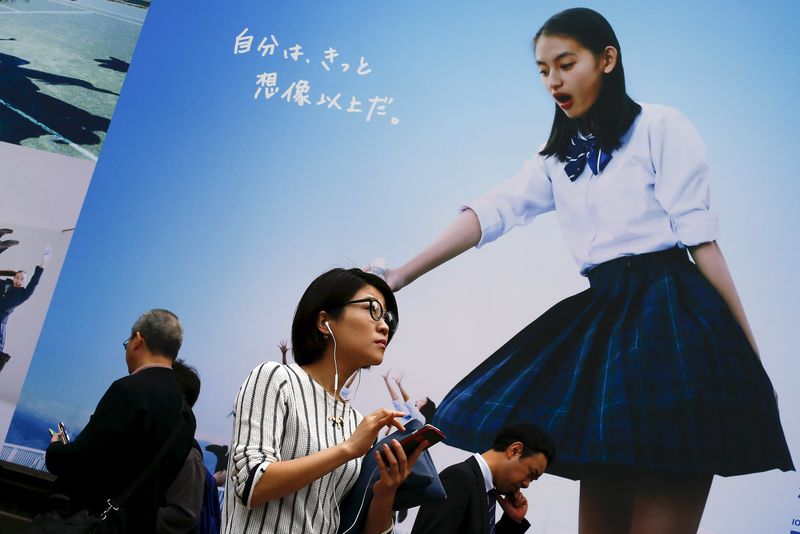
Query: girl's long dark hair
(614, 111)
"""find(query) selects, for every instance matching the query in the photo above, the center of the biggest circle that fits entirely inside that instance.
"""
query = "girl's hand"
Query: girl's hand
(394, 467)
(394, 278)
(366, 432)
(391, 276)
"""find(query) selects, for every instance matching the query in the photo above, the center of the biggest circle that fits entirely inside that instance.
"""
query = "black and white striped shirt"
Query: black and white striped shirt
(281, 414)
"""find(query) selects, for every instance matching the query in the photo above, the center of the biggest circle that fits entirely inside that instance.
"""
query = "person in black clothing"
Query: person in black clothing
(6, 244)
(132, 421)
(14, 294)
(476, 486)
(182, 511)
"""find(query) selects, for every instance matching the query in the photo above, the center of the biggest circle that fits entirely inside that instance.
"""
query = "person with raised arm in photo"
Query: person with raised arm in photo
(650, 380)
(18, 292)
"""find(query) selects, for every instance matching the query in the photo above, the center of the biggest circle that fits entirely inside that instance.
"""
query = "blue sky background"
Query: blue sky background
(223, 208)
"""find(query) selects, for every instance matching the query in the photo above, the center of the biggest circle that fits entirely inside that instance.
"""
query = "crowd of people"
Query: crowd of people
(297, 442)
(649, 382)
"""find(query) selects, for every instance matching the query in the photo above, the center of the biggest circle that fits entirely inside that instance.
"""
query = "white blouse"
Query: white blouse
(652, 195)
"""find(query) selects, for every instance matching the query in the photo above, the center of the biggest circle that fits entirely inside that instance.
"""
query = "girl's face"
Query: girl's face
(571, 73)
(360, 339)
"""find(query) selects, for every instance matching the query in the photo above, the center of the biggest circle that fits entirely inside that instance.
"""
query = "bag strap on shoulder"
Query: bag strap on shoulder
(125, 495)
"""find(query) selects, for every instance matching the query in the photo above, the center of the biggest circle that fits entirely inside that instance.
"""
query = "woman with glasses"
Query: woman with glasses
(297, 444)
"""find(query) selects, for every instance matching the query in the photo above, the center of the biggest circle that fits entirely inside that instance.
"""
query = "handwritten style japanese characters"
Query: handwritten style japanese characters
(299, 91)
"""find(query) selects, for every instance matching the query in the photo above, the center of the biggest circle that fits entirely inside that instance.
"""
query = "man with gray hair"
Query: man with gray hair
(131, 423)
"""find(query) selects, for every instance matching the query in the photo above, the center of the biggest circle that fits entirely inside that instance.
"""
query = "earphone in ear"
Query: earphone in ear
(335, 365)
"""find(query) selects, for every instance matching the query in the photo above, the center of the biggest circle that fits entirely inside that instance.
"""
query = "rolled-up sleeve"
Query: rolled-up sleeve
(260, 411)
(681, 181)
(515, 202)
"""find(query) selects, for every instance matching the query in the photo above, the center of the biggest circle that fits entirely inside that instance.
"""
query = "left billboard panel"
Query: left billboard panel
(62, 68)
(41, 195)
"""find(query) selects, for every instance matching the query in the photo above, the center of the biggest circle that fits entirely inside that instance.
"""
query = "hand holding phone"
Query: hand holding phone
(428, 433)
(64, 434)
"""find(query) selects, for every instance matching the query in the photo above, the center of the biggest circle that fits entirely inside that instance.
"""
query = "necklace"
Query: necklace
(336, 420)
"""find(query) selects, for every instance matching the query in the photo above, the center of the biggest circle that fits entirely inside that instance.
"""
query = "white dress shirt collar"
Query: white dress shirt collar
(488, 480)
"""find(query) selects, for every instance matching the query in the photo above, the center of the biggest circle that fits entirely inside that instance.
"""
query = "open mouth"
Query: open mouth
(564, 100)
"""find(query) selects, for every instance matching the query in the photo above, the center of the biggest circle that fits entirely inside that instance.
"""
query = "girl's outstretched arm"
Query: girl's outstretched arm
(711, 263)
(399, 381)
(462, 234)
(392, 392)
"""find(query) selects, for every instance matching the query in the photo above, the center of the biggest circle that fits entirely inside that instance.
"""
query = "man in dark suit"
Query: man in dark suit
(132, 421)
(519, 455)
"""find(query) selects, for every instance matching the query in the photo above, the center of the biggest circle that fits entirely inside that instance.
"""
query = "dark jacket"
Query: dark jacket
(131, 422)
(14, 296)
(466, 510)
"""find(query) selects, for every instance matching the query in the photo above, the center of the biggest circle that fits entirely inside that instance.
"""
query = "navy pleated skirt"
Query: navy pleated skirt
(646, 369)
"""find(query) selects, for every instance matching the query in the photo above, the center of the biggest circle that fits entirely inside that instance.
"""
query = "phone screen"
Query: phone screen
(428, 433)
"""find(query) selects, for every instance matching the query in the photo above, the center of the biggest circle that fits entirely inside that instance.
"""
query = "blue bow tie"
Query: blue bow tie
(582, 151)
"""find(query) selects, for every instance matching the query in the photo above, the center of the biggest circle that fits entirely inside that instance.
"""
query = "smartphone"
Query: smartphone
(64, 433)
(428, 433)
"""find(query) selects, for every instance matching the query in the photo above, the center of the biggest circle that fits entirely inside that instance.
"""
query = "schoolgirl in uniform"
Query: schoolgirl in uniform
(649, 381)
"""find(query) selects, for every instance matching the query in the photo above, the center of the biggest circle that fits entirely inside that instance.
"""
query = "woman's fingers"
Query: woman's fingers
(391, 457)
(387, 466)
(398, 451)
(381, 464)
(384, 417)
(400, 455)
(383, 413)
(417, 453)
(393, 421)
(393, 464)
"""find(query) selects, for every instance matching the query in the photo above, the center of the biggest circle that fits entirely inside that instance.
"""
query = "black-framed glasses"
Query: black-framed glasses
(125, 343)
(377, 312)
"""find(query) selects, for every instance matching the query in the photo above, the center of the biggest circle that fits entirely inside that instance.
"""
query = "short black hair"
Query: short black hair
(428, 410)
(533, 440)
(327, 293)
(188, 380)
(614, 111)
(162, 332)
